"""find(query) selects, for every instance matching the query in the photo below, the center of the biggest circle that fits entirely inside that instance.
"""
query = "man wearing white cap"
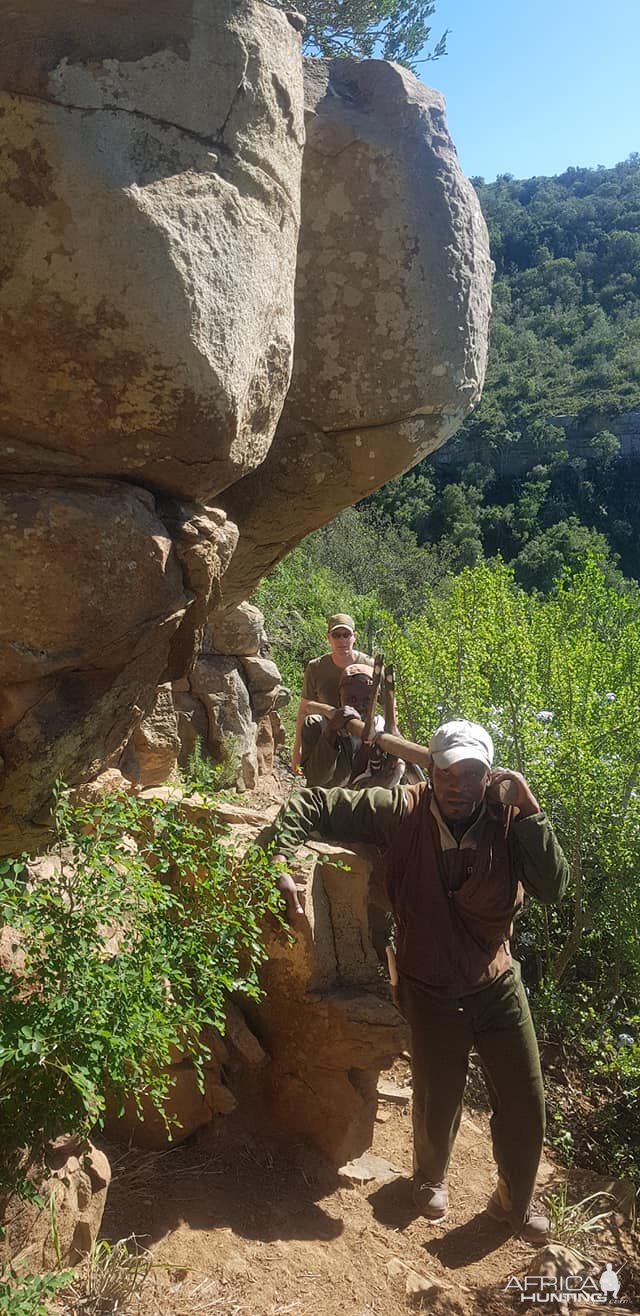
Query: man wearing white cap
(458, 864)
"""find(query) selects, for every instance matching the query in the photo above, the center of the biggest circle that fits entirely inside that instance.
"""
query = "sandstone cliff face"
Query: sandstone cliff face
(151, 172)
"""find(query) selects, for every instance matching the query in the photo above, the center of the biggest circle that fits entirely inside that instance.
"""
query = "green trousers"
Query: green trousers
(496, 1021)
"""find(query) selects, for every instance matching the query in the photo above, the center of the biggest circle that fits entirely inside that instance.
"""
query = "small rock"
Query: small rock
(297, 21)
(107, 783)
(261, 674)
(389, 1091)
(238, 1033)
(368, 1167)
(554, 1260)
(231, 813)
(220, 1099)
(417, 1285)
(97, 1167)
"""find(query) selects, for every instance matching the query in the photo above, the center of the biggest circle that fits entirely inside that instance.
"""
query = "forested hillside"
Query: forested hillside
(565, 344)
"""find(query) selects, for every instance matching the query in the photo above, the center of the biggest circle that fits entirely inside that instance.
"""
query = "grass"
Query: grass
(574, 1224)
(111, 1280)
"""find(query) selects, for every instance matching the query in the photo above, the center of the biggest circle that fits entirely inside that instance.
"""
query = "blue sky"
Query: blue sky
(533, 86)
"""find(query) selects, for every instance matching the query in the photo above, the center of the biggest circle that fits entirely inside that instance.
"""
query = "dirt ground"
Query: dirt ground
(241, 1226)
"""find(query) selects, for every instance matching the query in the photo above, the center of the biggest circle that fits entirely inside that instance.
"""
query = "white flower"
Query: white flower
(625, 1039)
(610, 696)
(544, 715)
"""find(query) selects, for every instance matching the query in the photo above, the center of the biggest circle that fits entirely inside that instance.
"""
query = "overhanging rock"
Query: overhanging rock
(392, 303)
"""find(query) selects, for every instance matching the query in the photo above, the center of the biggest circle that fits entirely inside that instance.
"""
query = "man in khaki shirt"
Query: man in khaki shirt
(321, 682)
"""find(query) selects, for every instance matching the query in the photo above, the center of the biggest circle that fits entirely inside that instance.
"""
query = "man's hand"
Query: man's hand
(338, 723)
(288, 889)
(520, 793)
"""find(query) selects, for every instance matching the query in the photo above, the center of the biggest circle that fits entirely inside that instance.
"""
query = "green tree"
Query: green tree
(387, 29)
(544, 444)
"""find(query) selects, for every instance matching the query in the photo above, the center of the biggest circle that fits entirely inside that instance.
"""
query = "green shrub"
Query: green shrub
(127, 950)
(27, 1295)
(207, 775)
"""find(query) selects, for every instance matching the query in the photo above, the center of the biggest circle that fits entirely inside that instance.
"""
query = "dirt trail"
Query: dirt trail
(245, 1226)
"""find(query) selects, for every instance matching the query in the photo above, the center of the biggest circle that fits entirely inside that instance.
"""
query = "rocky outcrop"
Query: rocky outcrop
(392, 301)
(149, 202)
(229, 701)
(74, 1192)
(326, 1019)
(150, 205)
(96, 603)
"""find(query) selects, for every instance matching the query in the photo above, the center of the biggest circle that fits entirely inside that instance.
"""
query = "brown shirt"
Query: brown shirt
(322, 678)
(453, 901)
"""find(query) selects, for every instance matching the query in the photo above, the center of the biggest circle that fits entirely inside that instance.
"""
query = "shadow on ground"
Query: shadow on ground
(259, 1189)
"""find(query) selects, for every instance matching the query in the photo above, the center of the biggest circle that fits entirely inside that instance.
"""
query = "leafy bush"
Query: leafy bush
(125, 950)
(26, 1295)
(208, 775)
(601, 1036)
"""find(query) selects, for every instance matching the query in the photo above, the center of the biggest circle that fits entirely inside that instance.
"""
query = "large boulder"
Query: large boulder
(392, 304)
(218, 683)
(94, 601)
(238, 631)
(149, 205)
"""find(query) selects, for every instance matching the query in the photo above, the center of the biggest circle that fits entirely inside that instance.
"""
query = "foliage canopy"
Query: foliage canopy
(387, 29)
(565, 342)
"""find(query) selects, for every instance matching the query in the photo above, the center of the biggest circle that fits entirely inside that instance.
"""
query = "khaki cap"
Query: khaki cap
(340, 619)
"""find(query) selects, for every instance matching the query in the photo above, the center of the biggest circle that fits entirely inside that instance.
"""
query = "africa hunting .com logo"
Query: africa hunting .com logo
(597, 1290)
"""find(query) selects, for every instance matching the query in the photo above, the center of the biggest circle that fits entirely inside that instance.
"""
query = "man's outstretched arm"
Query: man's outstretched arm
(335, 815)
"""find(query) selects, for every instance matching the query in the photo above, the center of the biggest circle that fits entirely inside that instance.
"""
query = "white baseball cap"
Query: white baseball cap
(454, 741)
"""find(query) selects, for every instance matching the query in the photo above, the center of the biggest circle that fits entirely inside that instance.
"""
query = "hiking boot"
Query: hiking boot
(430, 1199)
(534, 1229)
